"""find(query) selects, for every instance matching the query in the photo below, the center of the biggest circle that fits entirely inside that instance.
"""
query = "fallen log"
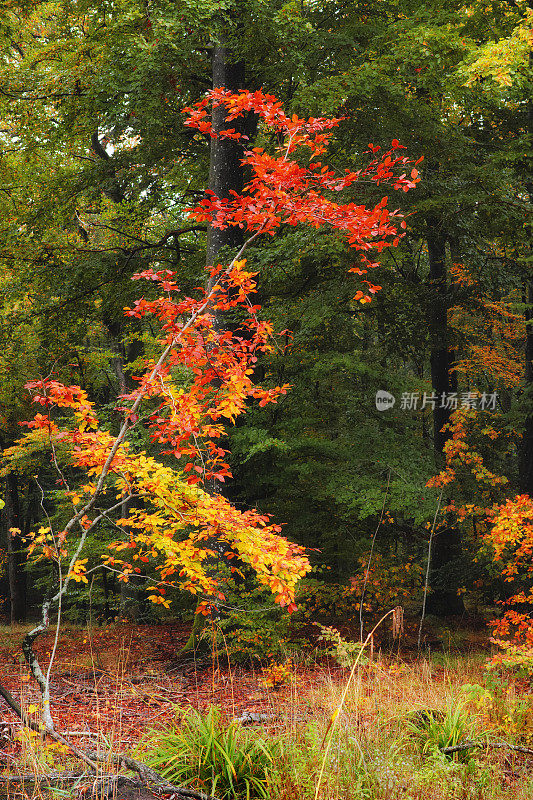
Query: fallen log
(106, 785)
(149, 777)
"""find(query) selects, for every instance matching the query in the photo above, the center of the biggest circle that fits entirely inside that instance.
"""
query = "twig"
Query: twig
(426, 584)
(27, 643)
(367, 573)
(43, 728)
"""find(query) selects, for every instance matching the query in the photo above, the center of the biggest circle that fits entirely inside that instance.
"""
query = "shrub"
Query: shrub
(391, 581)
(251, 627)
(344, 652)
(506, 706)
(277, 675)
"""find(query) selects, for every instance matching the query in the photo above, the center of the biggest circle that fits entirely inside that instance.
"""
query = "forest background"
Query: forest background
(98, 172)
(422, 505)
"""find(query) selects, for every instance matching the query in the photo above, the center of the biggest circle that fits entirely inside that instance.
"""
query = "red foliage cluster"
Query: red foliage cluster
(204, 376)
(282, 191)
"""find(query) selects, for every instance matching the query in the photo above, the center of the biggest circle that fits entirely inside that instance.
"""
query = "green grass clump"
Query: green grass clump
(222, 760)
(435, 731)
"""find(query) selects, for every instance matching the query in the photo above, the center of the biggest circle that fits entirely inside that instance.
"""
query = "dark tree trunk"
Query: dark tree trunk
(105, 585)
(526, 449)
(226, 174)
(133, 598)
(225, 169)
(446, 546)
(438, 325)
(15, 557)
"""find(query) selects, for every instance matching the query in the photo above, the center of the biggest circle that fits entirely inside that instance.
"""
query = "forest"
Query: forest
(266, 399)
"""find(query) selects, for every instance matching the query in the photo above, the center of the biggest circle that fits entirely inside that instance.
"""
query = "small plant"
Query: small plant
(434, 731)
(251, 627)
(345, 653)
(222, 760)
(277, 675)
(506, 705)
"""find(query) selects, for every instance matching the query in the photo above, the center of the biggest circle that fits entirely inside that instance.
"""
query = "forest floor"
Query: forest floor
(112, 685)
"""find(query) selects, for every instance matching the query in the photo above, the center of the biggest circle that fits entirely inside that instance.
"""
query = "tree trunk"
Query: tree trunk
(438, 325)
(15, 558)
(526, 449)
(446, 546)
(225, 169)
(226, 174)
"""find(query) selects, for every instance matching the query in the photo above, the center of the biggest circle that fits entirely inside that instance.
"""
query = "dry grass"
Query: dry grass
(373, 755)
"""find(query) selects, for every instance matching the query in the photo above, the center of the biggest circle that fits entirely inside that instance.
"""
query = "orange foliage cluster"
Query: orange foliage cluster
(463, 459)
(512, 540)
(179, 526)
(494, 323)
(282, 191)
(507, 528)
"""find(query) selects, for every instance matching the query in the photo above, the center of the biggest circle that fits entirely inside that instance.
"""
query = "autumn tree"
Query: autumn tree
(172, 530)
(98, 173)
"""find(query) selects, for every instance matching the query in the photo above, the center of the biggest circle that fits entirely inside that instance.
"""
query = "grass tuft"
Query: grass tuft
(223, 760)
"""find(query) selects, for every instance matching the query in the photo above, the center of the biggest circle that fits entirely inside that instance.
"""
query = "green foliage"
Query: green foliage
(250, 628)
(202, 751)
(393, 579)
(344, 652)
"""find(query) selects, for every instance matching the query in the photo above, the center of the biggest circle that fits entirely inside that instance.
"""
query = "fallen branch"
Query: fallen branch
(102, 786)
(12, 703)
(149, 777)
(458, 748)
(251, 718)
(49, 777)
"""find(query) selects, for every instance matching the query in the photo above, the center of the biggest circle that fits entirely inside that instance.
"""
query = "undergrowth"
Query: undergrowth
(387, 741)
